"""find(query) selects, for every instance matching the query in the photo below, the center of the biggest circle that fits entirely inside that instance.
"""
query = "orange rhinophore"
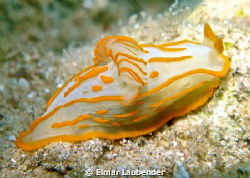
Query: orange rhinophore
(130, 90)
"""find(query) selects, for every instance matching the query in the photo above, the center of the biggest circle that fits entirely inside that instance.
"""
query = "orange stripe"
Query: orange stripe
(179, 94)
(82, 126)
(172, 49)
(178, 43)
(96, 88)
(95, 61)
(99, 46)
(135, 64)
(100, 58)
(123, 38)
(106, 79)
(110, 53)
(154, 74)
(102, 111)
(145, 51)
(161, 108)
(97, 52)
(131, 51)
(168, 59)
(101, 120)
(127, 114)
(131, 57)
(133, 74)
(66, 83)
(162, 48)
(139, 118)
(71, 123)
(119, 41)
(139, 103)
(117, 124)
(103, 44)
(94, 72)
(131, 40)
(221, 73)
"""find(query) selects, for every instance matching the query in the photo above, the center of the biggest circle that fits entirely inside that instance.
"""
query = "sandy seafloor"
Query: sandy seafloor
(211, 141)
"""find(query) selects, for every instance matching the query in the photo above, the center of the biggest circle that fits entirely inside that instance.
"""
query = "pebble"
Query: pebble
(23, 83)
(11, 138)
(180, 171)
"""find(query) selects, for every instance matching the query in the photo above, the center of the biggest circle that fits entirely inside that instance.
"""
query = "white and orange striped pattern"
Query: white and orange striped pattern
(130, 90)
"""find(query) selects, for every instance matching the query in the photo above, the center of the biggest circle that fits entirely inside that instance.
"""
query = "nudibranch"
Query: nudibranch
(130, 90)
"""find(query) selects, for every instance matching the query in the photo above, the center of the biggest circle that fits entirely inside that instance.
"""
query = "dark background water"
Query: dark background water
(50, 25)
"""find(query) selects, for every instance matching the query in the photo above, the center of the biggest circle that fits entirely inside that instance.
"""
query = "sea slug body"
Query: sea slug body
(130, 90)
